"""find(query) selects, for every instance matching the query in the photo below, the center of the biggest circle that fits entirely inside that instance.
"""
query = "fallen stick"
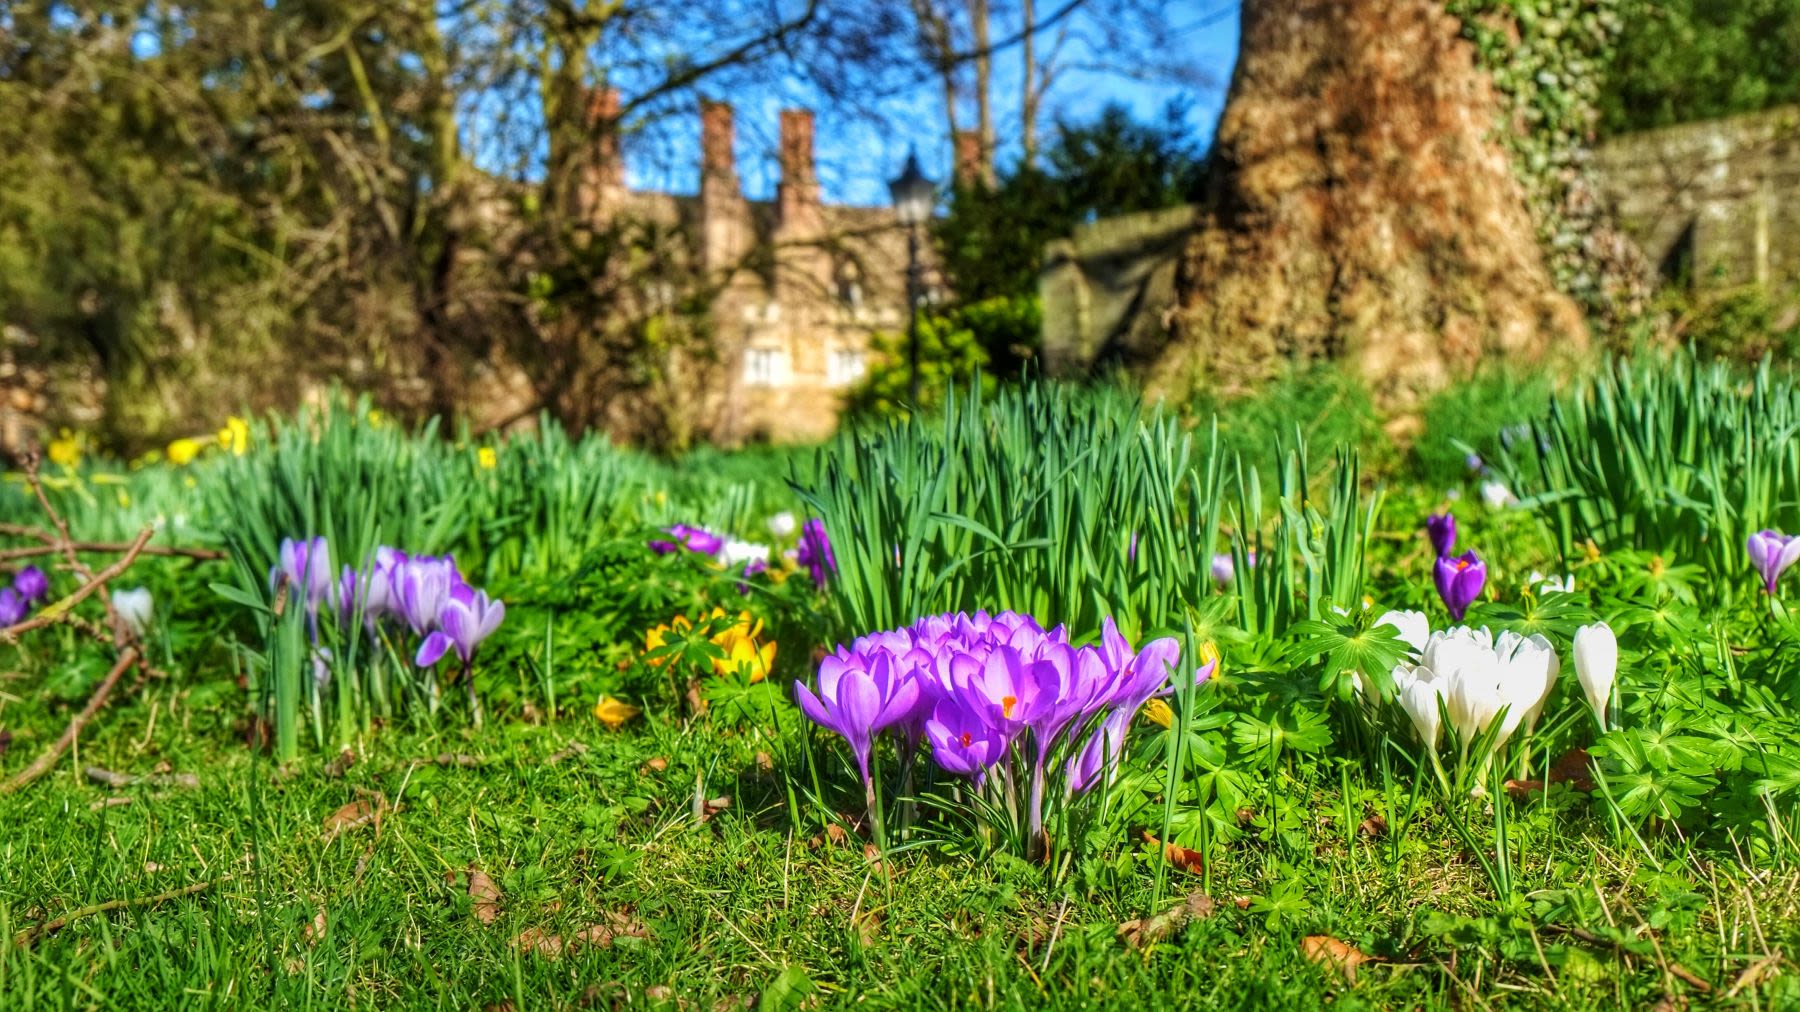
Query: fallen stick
(45, 762)
(24, 938)
(109, 778)
(35, 551)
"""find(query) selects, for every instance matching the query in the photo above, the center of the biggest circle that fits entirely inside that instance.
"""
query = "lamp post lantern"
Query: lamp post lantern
(913, 196)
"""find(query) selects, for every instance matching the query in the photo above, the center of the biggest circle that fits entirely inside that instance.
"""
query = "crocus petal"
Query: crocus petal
(434, 648)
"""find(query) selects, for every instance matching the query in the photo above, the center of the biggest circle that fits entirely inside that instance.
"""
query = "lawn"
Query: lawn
(611, 799)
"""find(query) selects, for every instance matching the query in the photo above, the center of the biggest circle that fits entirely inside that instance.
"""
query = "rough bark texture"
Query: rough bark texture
(1360, 207)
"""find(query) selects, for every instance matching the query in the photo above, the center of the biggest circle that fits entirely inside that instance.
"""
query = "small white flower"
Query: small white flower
(1596, 665)
(783, 524)
(135, 608)
(1496, 494)
(1552, 584)
(736, 553)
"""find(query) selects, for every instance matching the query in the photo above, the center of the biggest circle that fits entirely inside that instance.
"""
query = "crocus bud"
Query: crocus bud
(1420, 701)
(1441, 529)
(1596, 664)
(135, 608)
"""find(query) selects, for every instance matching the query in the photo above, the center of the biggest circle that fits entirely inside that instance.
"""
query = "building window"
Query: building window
(845, 366)
(765, 367)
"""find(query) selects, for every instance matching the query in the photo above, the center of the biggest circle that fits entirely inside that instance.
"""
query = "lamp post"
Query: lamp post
(913, 196)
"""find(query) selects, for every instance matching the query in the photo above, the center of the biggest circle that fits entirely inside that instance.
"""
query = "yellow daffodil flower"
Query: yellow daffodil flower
(65, 449)
(234, 437)
(183, 451)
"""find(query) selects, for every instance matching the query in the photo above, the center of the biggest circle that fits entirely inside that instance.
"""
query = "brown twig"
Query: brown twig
(37, 551)
(24, 938)
(45, 762)
(51, 612)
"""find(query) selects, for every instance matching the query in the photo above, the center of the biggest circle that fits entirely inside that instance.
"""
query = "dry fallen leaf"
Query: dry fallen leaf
(151, 867)
(1179, 856)
(355, 815)
(485, 894)
(550, 946)
(714, 806)
(314, 932)
(765, 762)
(614, 713)
(1756, 973)
(1374, 825)
(340, 764)
(661, 992)
(1572, 768)
(1339, 955)
(657, 764)
(95, 806)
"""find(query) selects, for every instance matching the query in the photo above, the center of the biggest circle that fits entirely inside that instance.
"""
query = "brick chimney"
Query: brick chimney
(969, 167)
(602, 179)
(799, 194)
(724, 214)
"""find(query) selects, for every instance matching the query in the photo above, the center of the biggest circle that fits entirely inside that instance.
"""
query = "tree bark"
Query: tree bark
(1359, 207)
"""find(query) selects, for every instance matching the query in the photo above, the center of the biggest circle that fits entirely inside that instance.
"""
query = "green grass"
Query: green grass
(728, 850)
(744, 905)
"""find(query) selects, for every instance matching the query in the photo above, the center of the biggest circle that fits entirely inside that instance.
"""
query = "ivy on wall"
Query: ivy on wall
(1548, 60)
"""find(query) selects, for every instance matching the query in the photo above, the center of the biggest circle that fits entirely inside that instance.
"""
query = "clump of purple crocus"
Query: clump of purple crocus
(1772, 552)
(814, 552)
(997, 697)
(1459, 581)
(394, 592)
(683, 537)
(29, 586)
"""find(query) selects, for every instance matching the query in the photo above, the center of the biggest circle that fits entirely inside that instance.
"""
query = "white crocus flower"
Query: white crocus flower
(1496, 494)
(1414, 627)
(736, 553)
(1596, 665)
(1420, 701)
(783, 524)
(135, 608)
(1528, 667)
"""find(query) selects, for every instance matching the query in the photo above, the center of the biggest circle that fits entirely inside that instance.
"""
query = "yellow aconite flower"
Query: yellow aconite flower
(487, 458)
(65, 449)
(1157, 712)
(744, 652)
(183, 451)
(1209, 654)
(234, 438)
(613, 712)
(375, 418)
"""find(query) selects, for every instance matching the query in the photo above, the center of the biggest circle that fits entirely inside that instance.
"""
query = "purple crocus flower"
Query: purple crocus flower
(467, 617)
(859, 697)
(814, 552)
(1773, 552)
(31, 584)
(694, 539)
(961, 742)
(1223, 568)
(13, 607)
(1131, 550)
(305, 566)
(1459, 581)
(1104, 748)
(1441, 529)
(424, 584)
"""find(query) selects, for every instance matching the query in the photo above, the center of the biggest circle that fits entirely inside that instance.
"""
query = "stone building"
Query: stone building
(795, 288)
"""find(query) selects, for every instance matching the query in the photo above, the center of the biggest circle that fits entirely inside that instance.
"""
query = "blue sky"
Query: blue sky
(856, 156)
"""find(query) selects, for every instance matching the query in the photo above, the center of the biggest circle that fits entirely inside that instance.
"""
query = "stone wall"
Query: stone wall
(1715, 203)
(1107, 290)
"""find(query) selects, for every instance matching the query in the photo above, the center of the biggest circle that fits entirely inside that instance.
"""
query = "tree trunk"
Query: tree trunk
(1360, 207)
